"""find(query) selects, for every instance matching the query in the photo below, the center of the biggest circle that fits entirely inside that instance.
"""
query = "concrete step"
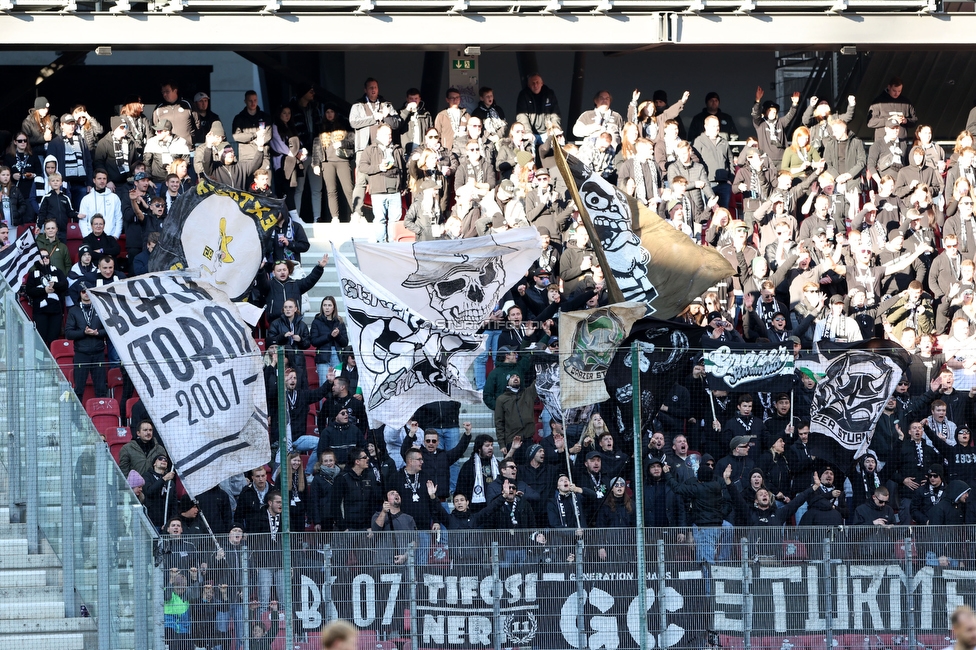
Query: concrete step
(52, 641)
(45, 626)
(13, 547)
(12, 579)
(25, 591)
(31, 609)
(45, 561)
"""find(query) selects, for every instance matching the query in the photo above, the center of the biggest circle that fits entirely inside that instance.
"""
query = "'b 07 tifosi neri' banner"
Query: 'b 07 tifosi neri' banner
(749, 367)
(198, 371)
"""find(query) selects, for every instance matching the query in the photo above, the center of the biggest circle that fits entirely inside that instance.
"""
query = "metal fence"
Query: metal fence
(84, 524)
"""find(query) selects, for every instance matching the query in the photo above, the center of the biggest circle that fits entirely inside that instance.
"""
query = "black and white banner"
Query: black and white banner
(755, 367)
(199, 372)
(16, 259)
(848, 402)
(405, 361)
(787, 606)
(455, 283)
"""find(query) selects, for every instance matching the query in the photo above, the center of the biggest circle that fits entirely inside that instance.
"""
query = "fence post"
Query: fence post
(140, 560)
(746, 596)
(829, 590)
(14, 411)
(285, 474)
(103, 554)
(412, 577)
(158, 616)
(580, 597)
(496, 601)
(245, 593)
(70, 540)
(909, 559)
(639, 498)
(29, 438)
(327, 587)
(662, 583)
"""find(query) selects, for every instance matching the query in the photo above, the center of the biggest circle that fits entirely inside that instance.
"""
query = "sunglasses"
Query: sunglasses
(432, 440)
(21, 140)
(882, 502)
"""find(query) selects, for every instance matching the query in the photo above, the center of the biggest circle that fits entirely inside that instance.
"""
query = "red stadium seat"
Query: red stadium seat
(261, 345)
(401, 234)
(129, 403)
(310, 423)
(115, 383)
(90, 393)
(102, 406)
(116, 451)
(313, 376)
(73, 246)
(74, 232)
(116, 435)
(104, 421)
(63, 348)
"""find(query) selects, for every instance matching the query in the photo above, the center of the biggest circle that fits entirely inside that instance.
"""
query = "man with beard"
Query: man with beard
(539, 476)
(479, 470)
(928, 496)
(827, 506)
(393, 549)
(515, 413)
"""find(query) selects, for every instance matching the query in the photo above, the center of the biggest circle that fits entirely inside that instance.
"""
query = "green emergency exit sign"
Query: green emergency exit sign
(463, 64)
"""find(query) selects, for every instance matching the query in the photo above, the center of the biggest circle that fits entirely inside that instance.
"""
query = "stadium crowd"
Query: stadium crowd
(831, 238)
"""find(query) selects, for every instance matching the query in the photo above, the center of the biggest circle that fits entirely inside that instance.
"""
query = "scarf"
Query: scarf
(121, 155)
(639, 181)
(561, 501)
(478, 496)
(330, 473)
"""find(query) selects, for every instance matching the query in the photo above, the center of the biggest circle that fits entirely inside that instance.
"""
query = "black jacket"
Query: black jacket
(74, 330)
(707, 500)
(276, 293)
(355, 498)
(323, 340)
(104, 158)
(37, 279)
(58, 207)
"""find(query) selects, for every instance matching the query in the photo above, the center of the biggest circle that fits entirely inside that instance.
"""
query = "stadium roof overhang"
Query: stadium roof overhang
(492, 24)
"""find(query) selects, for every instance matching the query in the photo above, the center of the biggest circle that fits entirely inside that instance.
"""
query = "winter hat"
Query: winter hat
(186, 503)
(217, 129)
(116, 122)
(134, 479)
(533, 449)
(41, 102)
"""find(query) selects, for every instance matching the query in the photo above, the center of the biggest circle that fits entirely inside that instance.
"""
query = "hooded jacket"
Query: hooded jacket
(917, 174)
(706, 496)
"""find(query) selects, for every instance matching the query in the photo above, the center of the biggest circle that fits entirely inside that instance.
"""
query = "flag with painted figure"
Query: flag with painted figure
(854, 382)
(648, 260)
(588, 341)
(404, 360)
(198, 371)
(454, 282)
(223, 231)
(16, 259)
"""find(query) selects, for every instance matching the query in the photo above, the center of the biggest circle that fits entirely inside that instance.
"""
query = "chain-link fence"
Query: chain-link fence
(859, 587)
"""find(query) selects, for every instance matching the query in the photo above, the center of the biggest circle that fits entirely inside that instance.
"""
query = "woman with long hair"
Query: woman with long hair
(89, 128)
(297, 496)
(960, 188)
(800, 157)
(328, 336)
(14, 210)
(286, 158)
(24, 166)
(934, 154)
(137, 124)
(628, 142)
(40, 126)
(963, 141)
(645, 115)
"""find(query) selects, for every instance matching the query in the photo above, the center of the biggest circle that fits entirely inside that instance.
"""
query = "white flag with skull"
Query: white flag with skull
(404, 360)
(456, 282)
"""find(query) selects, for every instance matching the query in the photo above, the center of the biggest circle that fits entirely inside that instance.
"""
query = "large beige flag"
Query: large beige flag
(649, 261)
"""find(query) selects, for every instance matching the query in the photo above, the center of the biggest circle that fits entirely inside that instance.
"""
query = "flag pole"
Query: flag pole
(285, 499)
(639, 494)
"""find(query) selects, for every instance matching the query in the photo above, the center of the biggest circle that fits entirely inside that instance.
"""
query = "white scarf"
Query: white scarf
(478, 495)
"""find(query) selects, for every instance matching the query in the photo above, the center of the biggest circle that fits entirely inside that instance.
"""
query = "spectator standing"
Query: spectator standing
(537, 107)
(85, 328)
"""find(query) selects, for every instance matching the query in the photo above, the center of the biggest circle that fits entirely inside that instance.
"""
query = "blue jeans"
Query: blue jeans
(387, 210)
(234, 613)
(305, 444)
(706, 539)
(481, 361)
(267, 577)
(546, 427)
(448, 440)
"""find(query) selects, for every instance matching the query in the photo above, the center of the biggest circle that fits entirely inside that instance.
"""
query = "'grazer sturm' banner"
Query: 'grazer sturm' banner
(198, 371)
(221, 230)
(742, 367)
(588, 340)
(404, 361)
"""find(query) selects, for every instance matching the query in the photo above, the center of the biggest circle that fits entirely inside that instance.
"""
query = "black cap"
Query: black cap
(592, 454)
(713, 315)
